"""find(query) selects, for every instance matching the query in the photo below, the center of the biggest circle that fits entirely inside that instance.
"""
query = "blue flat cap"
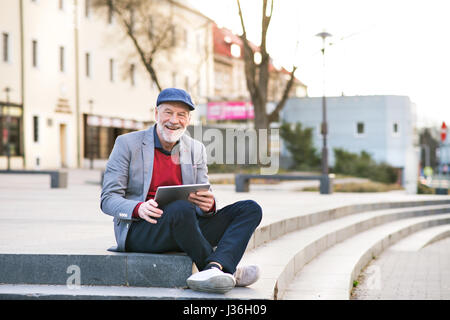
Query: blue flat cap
(174, 94)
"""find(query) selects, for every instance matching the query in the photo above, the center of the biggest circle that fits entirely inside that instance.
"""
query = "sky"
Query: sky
(378, 47)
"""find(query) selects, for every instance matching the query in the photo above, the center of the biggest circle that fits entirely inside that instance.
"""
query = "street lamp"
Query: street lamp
(324, 128)
(6, 132)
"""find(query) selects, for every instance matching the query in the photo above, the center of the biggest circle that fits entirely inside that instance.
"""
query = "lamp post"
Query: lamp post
(6, 131)
(324, 127)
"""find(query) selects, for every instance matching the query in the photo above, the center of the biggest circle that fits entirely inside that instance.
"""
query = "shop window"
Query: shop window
(10, 128)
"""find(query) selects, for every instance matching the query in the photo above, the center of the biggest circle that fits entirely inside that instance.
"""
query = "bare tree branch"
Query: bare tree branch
(258, 76)
(274, 115)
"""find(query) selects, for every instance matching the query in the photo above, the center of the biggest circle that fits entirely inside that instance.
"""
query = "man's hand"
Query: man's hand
(149, 210)
(203, 199)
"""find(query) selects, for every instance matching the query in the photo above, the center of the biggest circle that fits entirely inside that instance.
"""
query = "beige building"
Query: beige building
(75, 81)
(230, 87)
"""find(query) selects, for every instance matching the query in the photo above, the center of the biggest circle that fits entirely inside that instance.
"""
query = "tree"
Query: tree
(150, 25)
(300, 144)
(362, 165)
(149, 35)
(257, 74)
(428, 145)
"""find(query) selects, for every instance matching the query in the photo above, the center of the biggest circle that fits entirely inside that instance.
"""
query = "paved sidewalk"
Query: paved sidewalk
(37, 219)
(407, 275)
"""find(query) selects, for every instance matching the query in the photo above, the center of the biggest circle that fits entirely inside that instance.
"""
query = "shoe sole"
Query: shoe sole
(239, 275)
(216, 284)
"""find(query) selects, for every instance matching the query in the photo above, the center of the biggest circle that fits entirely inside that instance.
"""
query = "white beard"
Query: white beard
(169, 135)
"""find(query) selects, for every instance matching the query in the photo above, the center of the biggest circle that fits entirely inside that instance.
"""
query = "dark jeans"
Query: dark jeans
(181, 229)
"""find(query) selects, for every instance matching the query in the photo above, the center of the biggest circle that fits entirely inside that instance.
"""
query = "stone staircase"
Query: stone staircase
(310, 256)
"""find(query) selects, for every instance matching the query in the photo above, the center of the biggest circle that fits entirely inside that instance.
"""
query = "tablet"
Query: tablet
(167, 194)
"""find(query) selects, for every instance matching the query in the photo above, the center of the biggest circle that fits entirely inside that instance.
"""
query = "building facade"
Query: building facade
(230, 102)
(384, 126)
(71, 80)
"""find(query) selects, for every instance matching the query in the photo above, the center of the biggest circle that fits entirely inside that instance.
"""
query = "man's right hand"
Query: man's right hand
(149, 210)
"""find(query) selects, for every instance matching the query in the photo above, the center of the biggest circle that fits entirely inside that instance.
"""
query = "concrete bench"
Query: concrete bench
(103, 269)
(242, 181)
(58, 179)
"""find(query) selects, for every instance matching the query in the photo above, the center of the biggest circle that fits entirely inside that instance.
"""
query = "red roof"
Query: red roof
(223, 39)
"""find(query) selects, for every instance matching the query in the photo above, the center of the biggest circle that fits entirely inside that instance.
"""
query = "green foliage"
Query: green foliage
(364, 166)
(423, 189)
(299, 143)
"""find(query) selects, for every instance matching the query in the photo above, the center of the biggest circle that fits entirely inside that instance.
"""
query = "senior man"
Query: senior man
(163, 155)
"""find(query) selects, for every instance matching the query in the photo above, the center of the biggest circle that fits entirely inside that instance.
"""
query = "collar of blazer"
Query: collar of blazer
(186, 154)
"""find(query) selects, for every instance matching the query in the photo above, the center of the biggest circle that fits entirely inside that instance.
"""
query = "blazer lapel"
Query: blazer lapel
(187, 170)
(148, 154)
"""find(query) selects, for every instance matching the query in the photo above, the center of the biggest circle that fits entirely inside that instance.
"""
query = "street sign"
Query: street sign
(443, 132)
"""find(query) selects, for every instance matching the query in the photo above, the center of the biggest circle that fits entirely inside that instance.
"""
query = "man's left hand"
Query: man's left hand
(203, 199)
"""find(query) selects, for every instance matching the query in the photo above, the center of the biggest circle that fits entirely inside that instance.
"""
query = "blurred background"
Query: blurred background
(356, 88)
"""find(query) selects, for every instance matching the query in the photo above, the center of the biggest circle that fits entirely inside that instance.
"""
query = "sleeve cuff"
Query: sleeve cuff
(213, 208)
(136, 209)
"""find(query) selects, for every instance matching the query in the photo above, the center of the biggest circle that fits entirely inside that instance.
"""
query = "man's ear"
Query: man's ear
(156, 113)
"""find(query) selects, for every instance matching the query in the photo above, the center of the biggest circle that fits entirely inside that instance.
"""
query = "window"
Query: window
(395, 129)
(173, 35)
(186, 83)
(198, 43)
(5, 44)
(360, 129)
(10, 129)
(88, 64)
(132, 20)
(185, 38)
(257, 57)
(61, 59)
(174, 79)
(235, 50)
(34, 50)
(111, 70)
(87, 8)
(35, 128)
(110, 12)
(132, 74)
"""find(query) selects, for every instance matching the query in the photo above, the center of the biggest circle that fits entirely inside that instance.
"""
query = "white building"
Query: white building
(76, 81)
(384, 126)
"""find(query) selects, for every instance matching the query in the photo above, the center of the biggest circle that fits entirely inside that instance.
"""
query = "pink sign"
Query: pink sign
(230, 110)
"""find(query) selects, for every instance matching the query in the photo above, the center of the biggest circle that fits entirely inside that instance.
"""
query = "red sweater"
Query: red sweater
(165, 173)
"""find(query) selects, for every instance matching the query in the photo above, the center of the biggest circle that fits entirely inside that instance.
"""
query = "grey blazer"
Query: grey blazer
(129, 173)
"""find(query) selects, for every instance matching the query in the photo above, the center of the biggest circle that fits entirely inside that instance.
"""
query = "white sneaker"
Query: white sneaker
(246, 275)
(211, 280)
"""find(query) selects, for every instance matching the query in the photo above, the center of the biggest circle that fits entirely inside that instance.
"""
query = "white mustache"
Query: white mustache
(173, 127)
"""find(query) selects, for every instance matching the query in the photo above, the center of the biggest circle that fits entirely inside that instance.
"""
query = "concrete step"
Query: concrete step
(282, 258)
(63, 292)
(421, 239)
(108, 269)
(298, 240)
(278, 227)
(331, 274)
